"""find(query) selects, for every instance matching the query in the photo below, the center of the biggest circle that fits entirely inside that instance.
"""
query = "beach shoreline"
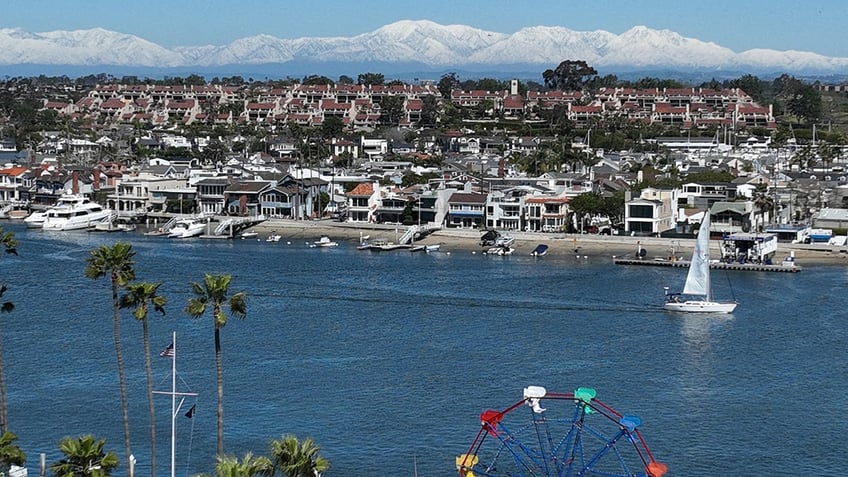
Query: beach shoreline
(589, 245)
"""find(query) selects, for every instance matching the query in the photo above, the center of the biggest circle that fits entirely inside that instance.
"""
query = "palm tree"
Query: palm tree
(7, 240)
(116, 262)
(10, 453)
(296, 459)
(141, 296)
(213, 293)
(250, 466)
(763, 203)
(84, 457)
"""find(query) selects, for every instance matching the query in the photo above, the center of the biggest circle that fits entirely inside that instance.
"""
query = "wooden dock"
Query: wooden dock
(751, 267)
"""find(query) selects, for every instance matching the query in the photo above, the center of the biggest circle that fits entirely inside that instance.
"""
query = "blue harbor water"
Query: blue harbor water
(387, 359)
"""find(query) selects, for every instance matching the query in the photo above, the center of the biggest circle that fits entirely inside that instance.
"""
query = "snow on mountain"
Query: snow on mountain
(790, 61)
(412, 41)
(539, 45)
(643, 47)
(81, 47)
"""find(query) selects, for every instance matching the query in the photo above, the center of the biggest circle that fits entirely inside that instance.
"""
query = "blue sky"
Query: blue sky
(808, 25)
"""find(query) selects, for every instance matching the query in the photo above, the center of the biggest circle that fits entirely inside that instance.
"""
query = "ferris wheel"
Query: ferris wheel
(558, 434)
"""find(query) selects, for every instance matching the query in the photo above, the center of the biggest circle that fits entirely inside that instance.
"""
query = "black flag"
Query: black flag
(190, 413)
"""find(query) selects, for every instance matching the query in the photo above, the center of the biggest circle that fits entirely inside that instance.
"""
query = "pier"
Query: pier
(750, 267)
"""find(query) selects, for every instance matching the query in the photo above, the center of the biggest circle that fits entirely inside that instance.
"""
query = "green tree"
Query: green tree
(392, 108)
(315, 80)
(447, 83)
(429, 111)
(117, 263)
(84, 457)
(331, 127)
(295, 459)
(569, 75)
(10, 244)
(369, 79)
(213, 294)
(141, 297)
(249, 466)
(806, 103)
(585, 205)
(10, 453)
(345, 159)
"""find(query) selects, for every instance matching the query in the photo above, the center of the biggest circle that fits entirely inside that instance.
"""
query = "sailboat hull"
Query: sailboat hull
(700, 306)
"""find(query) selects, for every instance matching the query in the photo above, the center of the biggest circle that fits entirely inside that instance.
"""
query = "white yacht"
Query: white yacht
(35, 220)
(73, 212)
(189, 227)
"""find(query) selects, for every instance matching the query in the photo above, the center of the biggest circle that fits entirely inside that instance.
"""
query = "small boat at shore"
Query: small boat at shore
(187, 228)
(540, 250)
(380, 245)
(499, 250)
(248, 235)
(324, 241)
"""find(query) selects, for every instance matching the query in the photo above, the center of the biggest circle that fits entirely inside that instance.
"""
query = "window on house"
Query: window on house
(641, 211)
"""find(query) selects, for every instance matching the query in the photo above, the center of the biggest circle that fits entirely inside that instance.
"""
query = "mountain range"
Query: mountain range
(406, 46)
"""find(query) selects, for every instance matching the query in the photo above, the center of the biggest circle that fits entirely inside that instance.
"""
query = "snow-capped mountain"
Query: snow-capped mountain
(429, 45)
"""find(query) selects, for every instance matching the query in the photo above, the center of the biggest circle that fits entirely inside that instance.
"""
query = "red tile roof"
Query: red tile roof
(362, 189)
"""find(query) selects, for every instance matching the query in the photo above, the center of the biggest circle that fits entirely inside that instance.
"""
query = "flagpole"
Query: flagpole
(173, 405)
(171, 352)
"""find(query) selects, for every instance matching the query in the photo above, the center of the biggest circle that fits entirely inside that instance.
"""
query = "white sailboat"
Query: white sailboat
(697, 294)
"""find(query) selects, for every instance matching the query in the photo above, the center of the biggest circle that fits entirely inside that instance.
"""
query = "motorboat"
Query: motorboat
(35, 220)
(499, 250)
(697, 293)
(493, 238)
(249, 235)
(274, 237)
(74, 212)
(384, 246)
(540, 250)
(114, 224)
(14, 210)
(324, 241)
(188, 227)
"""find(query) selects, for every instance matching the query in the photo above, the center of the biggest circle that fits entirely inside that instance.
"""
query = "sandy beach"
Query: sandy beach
(559, 244)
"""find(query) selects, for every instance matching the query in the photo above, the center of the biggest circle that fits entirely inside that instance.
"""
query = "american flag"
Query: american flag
(168, 352)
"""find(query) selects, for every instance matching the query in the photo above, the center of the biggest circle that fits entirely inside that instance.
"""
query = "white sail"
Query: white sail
(698, 279)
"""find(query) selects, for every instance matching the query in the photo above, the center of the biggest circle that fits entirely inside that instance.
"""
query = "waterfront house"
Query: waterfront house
(362, 201)
(211, 194)
(390, 208)
(546, 213)
(242, 197)
(466, 210)
(280, 200)
(650, 214)
(505, 208)
(13, 180)
(704, 195)
(136, 195)
(733, 217)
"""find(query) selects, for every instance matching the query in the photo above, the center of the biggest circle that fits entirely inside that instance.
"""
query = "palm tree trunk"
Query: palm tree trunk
(219, 371)
(4, 418)
(121, 378)
(151, 412)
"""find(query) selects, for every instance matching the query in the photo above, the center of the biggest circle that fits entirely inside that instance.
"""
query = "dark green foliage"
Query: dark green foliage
(569, 75)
